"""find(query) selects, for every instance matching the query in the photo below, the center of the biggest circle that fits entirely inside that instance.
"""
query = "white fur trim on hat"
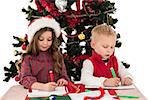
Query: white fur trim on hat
(42, 22)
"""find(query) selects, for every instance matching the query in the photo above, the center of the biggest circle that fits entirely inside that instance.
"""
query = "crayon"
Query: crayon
(127, 96)
(113, 72)
(87, 90)
(51, 75)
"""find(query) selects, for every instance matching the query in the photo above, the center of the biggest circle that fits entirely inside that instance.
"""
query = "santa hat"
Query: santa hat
(43, 22)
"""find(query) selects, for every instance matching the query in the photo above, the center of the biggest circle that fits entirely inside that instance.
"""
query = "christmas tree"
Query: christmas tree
(76, 22)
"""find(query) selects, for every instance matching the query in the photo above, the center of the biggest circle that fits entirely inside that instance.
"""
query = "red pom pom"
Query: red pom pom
(24, 47)
(17, 78)
(30, 90)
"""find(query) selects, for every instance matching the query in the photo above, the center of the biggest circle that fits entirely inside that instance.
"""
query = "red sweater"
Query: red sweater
(102, 70)
(36, 69)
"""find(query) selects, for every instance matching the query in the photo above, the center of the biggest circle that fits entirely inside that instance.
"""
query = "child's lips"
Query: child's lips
(44, 47)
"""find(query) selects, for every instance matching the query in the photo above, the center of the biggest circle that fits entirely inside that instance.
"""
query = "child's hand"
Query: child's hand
(50, 86)
(62, 82)
(112, 82)
(126, 81)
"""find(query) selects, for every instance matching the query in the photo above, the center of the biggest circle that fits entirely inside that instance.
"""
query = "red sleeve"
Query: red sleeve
(27, 79)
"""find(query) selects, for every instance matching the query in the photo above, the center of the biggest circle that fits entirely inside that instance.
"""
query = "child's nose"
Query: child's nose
(108, 51)
(45, 42)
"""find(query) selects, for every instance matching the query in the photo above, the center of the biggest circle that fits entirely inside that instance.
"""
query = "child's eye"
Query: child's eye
(105, 46)
(112, 47)
(49, 39)
(41, 39)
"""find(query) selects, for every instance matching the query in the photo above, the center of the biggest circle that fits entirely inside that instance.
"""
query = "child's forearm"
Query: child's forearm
(38, 85)
(50, 86)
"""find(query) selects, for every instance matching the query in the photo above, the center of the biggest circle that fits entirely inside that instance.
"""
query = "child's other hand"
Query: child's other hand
(62, 82)
(50, 86)
(126, 81)
(112, 82)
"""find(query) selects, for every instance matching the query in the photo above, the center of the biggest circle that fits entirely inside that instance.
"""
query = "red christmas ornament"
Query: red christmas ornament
(24, 47)
(17, 78)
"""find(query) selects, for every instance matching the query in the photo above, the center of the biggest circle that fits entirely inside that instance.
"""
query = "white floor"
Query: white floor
(4, 86)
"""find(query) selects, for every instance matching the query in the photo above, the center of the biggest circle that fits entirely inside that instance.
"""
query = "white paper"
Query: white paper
(39, 93)
(121, 87)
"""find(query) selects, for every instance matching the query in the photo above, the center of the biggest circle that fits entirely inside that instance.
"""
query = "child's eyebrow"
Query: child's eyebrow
(40, 37)
(105, 45)
(49, 37)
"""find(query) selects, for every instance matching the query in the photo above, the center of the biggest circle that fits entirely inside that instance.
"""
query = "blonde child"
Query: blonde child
(97, 69)
(43, 56)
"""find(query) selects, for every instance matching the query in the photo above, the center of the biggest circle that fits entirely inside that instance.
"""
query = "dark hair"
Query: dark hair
(53, 50)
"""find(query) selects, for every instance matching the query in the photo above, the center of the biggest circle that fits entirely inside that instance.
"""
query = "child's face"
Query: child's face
(45, 41)
(104, 46)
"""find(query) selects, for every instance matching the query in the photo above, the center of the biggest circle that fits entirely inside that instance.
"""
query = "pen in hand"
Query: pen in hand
(113, 72)
(51, 75)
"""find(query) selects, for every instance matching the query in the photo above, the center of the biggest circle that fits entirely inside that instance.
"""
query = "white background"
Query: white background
(133, 25)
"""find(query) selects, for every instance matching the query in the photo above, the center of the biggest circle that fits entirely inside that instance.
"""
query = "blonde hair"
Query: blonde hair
(102, 29)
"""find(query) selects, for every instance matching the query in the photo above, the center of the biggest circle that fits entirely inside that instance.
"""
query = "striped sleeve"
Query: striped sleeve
(27, 78)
